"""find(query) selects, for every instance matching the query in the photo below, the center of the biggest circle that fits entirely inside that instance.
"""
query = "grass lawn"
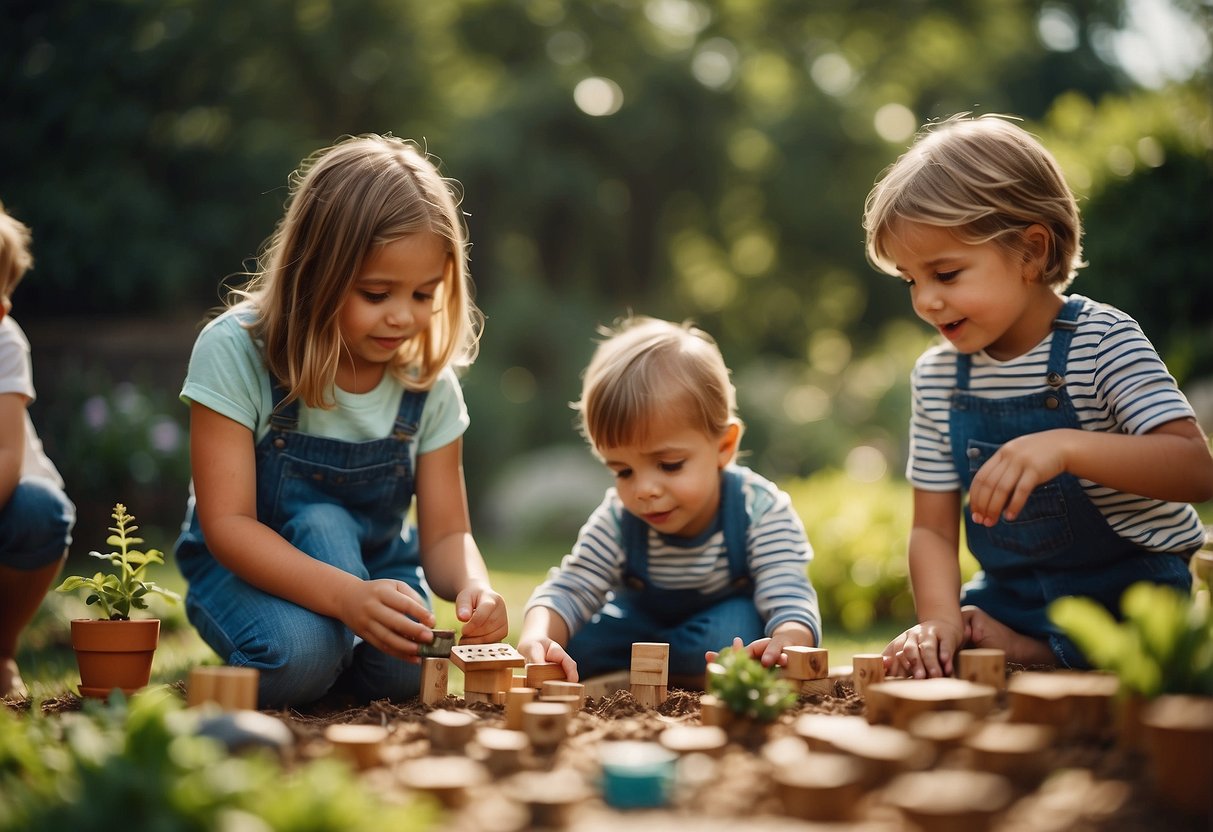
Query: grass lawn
(49, 666)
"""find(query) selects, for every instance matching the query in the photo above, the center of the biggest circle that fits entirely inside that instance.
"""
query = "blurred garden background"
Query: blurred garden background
(702, 159)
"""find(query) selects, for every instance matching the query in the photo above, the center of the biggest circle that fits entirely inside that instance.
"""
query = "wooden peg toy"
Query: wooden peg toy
(556, 687)
(435, 673)
(450, 731)
(546, 724)
(362, 745)
(867, 669)
(515, 698)
(983, 665)
(232, 688)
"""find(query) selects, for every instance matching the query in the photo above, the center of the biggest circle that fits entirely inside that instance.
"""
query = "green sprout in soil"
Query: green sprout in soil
(747, 688)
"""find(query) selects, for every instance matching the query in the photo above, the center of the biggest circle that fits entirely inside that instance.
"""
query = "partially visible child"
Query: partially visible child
(320, 404)
(1054, 413)
(687, 548)
(36, 517)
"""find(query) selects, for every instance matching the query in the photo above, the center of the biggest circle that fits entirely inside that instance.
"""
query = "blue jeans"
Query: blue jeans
(604, 644)
(35, 525)
(301, 655)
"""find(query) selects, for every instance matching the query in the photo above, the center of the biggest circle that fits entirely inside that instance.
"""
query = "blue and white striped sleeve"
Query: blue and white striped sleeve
(577, 588)
(780, 553)
(930, 465)
(1134, 383)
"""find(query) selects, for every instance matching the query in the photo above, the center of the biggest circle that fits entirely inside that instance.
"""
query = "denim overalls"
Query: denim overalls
(343, 503)
(688, 620)
(1060, 544)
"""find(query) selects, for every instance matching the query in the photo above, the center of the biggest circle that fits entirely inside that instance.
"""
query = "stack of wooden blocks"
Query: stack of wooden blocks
(809, 669)
(650, 673)
(487, 670)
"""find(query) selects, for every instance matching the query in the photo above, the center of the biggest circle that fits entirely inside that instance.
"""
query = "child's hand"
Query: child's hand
(924, 650)
(389, 615)
(1002, 485)
(537, 649)
(769, 651)
(483, 612)
(738, 644)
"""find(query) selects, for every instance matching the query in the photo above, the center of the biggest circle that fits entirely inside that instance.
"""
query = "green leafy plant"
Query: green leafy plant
(1164, 645)
(117, 594)
(747, 688)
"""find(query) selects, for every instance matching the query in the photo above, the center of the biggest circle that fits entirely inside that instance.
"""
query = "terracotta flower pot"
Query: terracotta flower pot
(114, 654)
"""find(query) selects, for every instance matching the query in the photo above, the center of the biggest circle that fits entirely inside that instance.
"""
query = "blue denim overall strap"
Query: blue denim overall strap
(373, 480)
(673, 605)
(1060, 544)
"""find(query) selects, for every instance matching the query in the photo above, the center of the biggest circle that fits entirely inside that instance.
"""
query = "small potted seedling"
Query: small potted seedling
(743, 697)
(1162, 653)
(115, 651)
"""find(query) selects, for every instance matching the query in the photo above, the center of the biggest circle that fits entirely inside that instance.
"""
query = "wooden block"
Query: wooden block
(555, 687)
(713, 711)
(807, 663)
(1077, 704)
(900, 700)
(650, 695)
(488, 681)
(545, 723)
(434, 677)
(1179, 733)
(360, 744)
(452, 780)
(867, 669)
(983, 665)
(515, 698)
(502, 751)
(884, 751)
(232, 688)
(539, 672)
(827, 789)
(485, 656)
(450, 730)
(945, 730)
(650, 663)
(700, 739)
(950, 799)
(1014, 750)
(607, 683)
(550, 796)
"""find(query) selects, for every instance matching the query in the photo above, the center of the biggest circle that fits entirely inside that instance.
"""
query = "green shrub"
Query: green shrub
(747, 688)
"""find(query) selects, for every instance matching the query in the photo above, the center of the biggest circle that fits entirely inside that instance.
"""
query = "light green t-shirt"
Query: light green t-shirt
(226, 374)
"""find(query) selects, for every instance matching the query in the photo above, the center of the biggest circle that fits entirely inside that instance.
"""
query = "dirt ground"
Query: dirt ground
(1091, 785)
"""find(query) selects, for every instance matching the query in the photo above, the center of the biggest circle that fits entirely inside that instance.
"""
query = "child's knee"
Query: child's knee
(299, 664)
(35, 525)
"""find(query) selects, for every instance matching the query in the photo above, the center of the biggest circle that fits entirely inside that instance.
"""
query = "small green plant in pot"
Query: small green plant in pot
(116, 651)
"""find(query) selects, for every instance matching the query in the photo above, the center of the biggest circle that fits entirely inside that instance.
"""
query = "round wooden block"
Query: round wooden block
(1179, 734)
(983, 665)
(1015, 750)
(231, 688)
(685, 739)
(826, 787)
(450, 730)
(515, 698)
(550, 797)
(546, 723)
(884, 751)
(949, 800)
(1078, 704)
(502, 750)
(900, 700)
(785, 751)
(450, 779)
(557, 687)
(361, 744)
(943, 729)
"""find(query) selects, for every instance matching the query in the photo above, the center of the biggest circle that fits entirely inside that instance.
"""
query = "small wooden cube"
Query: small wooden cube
(984, 665)
(806, 663)
(867, 669)
(539, 672)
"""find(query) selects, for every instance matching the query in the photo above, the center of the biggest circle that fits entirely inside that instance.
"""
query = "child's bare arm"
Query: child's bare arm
(12, 443)
(928, 648)
(452, 562)
(386, 613)
(1172, 462)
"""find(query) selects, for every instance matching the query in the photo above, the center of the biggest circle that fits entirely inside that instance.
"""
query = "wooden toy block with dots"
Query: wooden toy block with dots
(487, 670)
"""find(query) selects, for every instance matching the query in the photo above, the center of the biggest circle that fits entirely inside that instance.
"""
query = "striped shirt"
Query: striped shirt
(778, 550)
(1118, 384)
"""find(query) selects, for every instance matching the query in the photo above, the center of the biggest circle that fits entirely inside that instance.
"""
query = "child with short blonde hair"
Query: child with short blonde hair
(320, 404)
(688, 547)
(36, 517)
(1054, 413)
